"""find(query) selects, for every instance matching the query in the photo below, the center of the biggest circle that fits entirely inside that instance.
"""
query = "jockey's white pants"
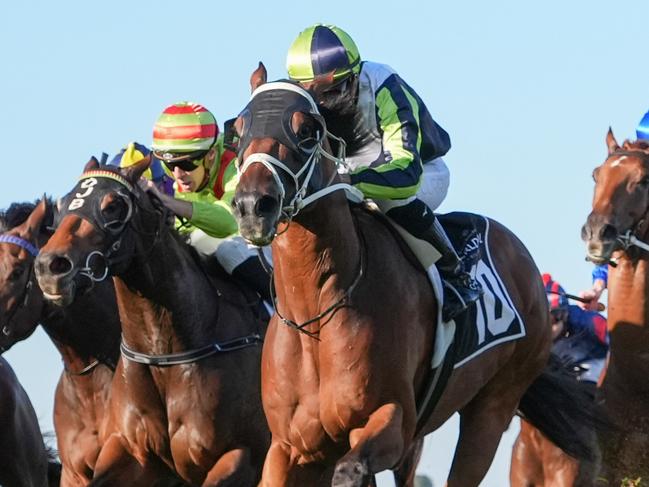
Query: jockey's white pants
(231, 252)
(435, 181)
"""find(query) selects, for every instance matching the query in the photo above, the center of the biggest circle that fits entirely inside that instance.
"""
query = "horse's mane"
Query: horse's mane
(17, 214)
(636, 145)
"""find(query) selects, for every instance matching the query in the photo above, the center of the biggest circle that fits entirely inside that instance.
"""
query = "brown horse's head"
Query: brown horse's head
(621, 199)
(94, 236)
(282, 136)
(21, 234)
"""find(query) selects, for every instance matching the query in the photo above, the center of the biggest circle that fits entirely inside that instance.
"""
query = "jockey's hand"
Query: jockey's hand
(592, 296)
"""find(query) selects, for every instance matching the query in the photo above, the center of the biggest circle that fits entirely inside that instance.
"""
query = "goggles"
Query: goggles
(186, 161)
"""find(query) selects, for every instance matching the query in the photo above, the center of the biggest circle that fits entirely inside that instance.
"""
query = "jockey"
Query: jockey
(187, 142)
(134, 153)
(394, 147)
(580, 336)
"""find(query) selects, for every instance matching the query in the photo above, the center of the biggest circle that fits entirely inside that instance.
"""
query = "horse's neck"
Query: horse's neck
(628, 298)
(167, 303)
(87, 330)
(316, 259)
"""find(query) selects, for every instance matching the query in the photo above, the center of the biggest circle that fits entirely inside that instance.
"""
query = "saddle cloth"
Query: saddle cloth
(492, 320)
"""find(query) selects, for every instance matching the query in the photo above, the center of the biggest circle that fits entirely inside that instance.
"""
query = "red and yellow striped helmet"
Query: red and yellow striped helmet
(185, 127)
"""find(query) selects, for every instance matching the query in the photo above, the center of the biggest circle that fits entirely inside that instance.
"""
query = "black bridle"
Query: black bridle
(116, 229)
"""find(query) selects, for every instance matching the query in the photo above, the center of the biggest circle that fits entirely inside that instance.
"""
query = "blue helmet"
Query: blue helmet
(643, 128)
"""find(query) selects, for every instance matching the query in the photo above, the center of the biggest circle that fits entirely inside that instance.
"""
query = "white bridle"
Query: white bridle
(300, 199)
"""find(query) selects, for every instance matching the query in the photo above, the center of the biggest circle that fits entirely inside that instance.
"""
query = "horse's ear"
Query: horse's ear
(34, 223)
(322, 83)
(611, 143)
(258, 77)
(93, 163)
(134, 172)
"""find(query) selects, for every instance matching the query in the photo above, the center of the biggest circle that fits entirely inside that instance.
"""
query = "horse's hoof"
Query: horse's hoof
(350, 474)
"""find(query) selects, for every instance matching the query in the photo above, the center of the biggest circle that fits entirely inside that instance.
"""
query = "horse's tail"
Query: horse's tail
(564, 410)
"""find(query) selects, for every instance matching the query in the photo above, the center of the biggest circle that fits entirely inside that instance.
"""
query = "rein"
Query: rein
(23, 301)
(163, 360)
(167, 360)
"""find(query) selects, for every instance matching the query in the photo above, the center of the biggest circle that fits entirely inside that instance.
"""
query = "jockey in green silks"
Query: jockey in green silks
(187, 142)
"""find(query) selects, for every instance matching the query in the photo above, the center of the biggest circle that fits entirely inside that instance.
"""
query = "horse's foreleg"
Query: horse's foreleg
(115, 466)
(482, 423)
(232, 469)
(375, 447)
(404, 474)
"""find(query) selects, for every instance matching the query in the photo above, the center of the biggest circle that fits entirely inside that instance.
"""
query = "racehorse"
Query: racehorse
(617, 230)
(24, 459)
(340, 382)
(86, 334)
(186, 393)
(537, 462)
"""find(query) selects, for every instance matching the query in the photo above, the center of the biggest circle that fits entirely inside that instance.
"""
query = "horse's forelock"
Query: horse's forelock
(17, 214)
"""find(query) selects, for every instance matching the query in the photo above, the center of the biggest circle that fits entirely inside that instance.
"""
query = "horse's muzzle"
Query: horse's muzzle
(257, 216)
(601, 238)
(55, 274)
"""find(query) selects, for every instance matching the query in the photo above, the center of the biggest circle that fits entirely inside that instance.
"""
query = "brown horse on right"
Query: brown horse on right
(341, 398)
(617, 229)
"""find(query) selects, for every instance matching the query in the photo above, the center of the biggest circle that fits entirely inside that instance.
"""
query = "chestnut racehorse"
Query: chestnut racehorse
(86, 333)
(618, 229)
(24, 459)
(339, 383)
(186, 393)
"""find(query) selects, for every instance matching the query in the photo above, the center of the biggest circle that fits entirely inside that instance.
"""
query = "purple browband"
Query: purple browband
(21, 242)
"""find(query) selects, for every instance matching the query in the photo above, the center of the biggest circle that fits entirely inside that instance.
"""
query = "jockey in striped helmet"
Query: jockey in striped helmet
(186, 140)
(394, 147)
(580, 336)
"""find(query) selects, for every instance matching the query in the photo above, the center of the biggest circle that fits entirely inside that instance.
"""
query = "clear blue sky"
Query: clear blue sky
(527, 91)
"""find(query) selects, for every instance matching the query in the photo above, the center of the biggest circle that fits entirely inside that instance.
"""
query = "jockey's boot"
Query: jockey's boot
(460, 288)
(254, 275)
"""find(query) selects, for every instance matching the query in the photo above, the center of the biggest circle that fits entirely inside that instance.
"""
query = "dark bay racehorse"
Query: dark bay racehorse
(185, 397)
(618, 228)
(341, 398)
(86, 333)
(24, 459)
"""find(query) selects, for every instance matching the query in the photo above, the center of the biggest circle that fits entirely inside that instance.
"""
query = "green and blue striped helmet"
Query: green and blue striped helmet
(321, 49)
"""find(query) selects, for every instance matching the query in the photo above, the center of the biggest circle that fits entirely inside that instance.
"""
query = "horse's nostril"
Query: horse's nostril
(60, 265)
(608, 232)
(585, 232)
(265, 205)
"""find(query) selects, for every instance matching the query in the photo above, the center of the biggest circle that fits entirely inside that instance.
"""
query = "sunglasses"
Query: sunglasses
(186, 162)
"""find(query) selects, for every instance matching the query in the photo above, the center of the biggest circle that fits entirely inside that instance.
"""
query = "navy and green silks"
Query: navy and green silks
(401, 135)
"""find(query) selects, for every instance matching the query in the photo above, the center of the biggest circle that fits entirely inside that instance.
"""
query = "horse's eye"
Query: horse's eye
(644, 182)
(113, 208)
(305, 131)
(595, 172)
(15, 274)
